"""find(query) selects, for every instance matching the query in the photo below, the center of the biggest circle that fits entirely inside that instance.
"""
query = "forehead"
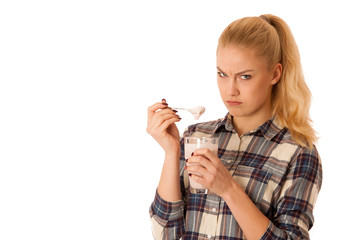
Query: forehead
(235, 57)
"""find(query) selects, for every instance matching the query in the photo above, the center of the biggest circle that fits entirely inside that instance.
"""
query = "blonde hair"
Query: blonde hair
(291, 97)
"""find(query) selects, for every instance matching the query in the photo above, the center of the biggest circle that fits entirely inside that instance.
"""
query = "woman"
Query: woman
(265, 180)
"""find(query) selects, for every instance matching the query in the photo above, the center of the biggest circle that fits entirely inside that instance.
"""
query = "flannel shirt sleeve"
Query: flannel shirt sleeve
(167, 218)
(294, 208)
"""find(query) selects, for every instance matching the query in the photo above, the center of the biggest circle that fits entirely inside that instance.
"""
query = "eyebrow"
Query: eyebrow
(242, 72)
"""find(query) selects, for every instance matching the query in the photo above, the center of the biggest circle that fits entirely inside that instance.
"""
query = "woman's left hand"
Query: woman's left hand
(214, 175)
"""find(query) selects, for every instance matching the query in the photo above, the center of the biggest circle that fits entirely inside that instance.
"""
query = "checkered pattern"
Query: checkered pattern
(282, 179)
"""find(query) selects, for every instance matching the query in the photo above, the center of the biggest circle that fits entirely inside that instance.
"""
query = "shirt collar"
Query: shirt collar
(225, 122)
(269, 129)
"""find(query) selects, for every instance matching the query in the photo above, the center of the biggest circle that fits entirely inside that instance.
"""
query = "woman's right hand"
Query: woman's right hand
(161, 126)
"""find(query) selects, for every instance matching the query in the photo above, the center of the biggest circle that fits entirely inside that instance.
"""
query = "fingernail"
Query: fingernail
(164, 104)
(185, 167)
(163, 100)
(186, 160)
(190, 174)
(192, 154)
(179, 118)
(174, 111)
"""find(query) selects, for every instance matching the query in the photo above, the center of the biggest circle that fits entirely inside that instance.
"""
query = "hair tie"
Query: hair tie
(265, 18)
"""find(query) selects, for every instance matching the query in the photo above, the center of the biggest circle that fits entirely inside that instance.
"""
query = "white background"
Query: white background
(76, 78)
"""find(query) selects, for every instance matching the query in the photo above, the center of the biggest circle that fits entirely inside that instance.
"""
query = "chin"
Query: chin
(237, 112)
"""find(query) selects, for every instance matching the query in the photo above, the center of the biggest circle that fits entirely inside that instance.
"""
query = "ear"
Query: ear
(277, 70)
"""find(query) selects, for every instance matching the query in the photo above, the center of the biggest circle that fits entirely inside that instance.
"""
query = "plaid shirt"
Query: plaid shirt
(282, 178)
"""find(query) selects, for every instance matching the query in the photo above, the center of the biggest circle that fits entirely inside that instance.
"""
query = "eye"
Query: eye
(221, 74)
(245, 77)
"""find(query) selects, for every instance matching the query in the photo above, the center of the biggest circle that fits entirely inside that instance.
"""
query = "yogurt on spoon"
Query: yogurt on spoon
(195, 111)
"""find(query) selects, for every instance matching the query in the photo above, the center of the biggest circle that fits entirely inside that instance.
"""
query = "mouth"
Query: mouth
(233, 103)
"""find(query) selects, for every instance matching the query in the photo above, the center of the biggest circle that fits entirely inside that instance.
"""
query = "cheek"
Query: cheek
(256, 93)
(261, 93)
(221, 88)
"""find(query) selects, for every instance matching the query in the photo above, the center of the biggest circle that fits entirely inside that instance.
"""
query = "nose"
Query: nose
(233, 89)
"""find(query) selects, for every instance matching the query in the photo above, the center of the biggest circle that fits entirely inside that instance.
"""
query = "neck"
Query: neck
(244, 124)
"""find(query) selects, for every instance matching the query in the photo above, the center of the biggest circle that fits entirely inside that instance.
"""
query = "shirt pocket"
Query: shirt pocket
(253, 181)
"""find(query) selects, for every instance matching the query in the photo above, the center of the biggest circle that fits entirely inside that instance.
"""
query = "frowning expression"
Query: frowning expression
(245, 81)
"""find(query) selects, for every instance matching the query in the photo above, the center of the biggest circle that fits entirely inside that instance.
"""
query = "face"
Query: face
(245, 81)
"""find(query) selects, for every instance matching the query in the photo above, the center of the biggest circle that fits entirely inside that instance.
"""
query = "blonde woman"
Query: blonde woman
(264, 182)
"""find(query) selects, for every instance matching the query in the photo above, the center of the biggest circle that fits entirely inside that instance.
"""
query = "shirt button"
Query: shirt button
(213, 210)
(209, 236)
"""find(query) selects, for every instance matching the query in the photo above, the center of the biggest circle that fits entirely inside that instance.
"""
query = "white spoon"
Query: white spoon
(195, 111)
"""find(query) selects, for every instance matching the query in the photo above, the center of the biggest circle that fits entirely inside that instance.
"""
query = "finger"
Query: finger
(160, 118)
(165, 110)
(198, 179)
(207, 153)
(155, 107)
(162, 115)
(168, 122)
(202, 161)
(197, 169)
(154, 110)
(198, 160)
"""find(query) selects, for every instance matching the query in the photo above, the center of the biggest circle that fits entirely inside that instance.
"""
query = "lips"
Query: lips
(233, 103)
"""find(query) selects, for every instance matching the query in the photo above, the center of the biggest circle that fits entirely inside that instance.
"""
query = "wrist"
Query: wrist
(232, 188)
(173, 153)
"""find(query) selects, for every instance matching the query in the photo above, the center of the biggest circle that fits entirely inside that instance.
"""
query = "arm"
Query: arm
(166, 211)
(251, 220)
(167, 214)
(219, 180)
(169, 185)
(161, 126)
(167, 219)
(293, 209)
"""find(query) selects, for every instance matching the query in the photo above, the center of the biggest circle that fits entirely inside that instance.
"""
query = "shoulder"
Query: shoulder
(203, 128)
(304, 159)
(306, 164)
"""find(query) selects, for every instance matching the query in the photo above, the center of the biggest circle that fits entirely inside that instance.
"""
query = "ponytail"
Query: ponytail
(291, 96)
